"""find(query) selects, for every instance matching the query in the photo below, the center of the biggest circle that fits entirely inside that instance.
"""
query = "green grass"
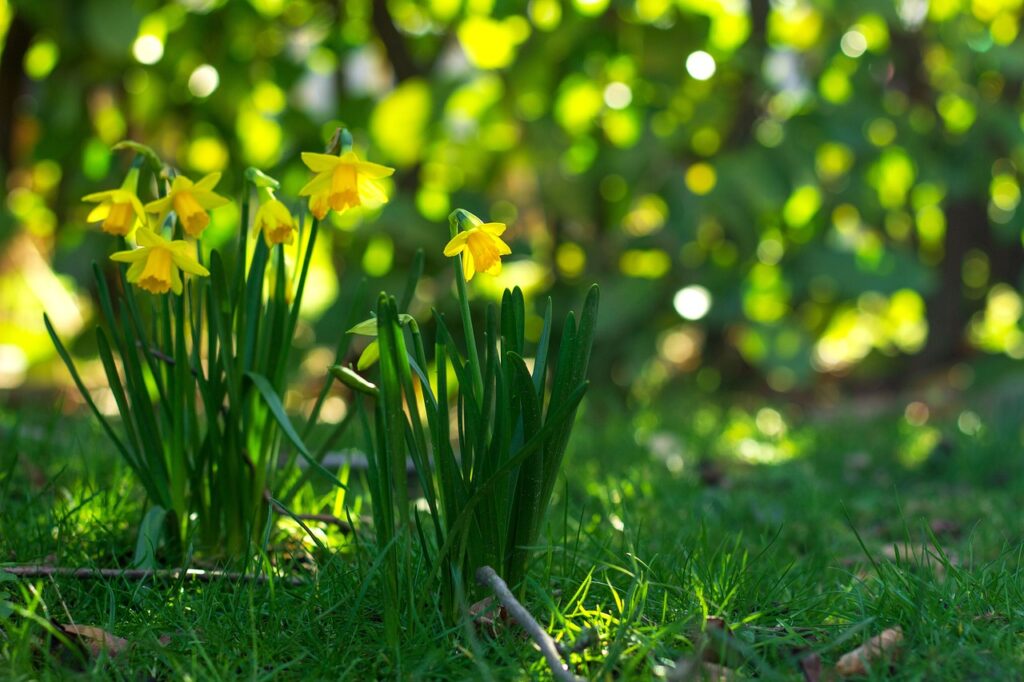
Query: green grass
(662, 521)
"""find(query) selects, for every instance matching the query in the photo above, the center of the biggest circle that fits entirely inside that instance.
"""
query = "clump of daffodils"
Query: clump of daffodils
(158, 263)
(196, 347)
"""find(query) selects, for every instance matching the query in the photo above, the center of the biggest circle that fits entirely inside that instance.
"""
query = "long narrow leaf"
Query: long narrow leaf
(277, 410)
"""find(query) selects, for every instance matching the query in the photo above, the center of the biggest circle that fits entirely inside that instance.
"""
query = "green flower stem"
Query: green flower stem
(467, 319)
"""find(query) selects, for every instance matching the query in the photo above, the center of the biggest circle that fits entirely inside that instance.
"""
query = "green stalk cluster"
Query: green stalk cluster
(487, 450)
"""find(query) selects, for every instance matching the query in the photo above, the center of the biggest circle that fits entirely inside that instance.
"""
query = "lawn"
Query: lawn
(764, 538)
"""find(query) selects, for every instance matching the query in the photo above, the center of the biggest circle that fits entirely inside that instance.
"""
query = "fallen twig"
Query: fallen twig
(201, 575)
(486, 576)
(342, 525)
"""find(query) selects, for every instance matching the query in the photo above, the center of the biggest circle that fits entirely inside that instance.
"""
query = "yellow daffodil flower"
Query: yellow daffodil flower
(273, 219)
(191, 201)
(119, 209)
(342, 182)
(481, 248)
(156, 264)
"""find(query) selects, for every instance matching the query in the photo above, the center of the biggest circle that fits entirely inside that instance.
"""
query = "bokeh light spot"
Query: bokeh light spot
(700, 65)
(692, 302)
(148, 49)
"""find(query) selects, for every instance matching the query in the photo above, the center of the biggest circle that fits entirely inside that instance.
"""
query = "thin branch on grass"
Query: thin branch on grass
(486, 576)
(342, 525)
(200, 575)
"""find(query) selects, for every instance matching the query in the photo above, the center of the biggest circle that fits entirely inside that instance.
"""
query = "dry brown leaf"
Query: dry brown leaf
(94, 639)
(810, 666)
(486, 617)
(877, 649)
(717, 644)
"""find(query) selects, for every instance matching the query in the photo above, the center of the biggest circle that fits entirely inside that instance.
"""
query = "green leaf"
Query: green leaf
(415, 272)
(277, 410)
(86, 396)
(150, 531)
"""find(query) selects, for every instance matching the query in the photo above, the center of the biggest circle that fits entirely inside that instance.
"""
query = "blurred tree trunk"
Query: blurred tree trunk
(12, 76)
(395, 46)
(948, 310)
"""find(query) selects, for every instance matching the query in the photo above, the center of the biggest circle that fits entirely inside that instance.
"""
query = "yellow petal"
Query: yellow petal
(130, 256)
(468, 266)
(99, 196)
(210, 200)
(319, 183)
(140, 210)
(208, 182)
(180, 183)
(149, 238)
(373, 170)
(456, 245)
(189, 264)
(135, 269)
(159, 206)
(98, 212)
(497, 229)
(320, 163)
(370, 193)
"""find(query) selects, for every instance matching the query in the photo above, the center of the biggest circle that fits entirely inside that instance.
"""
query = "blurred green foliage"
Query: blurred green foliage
(801, 187)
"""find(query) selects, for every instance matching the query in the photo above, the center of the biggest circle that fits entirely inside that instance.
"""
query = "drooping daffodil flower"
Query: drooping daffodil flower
(191, 201)
(119, 209)
(342, 182)
(273, 219)
(157, 264)
(479, 243)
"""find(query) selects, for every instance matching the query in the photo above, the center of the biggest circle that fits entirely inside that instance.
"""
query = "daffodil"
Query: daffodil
(119, 209)
(481, 248)
(343, 182)
(191, 201)
(157, 264)
(274, 219)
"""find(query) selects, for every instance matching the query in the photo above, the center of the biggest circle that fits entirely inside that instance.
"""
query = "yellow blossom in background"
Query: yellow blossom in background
(274, 220)
(157, 264)
(481, 248)
(191, 201)
(343, 182)
(119, 209)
